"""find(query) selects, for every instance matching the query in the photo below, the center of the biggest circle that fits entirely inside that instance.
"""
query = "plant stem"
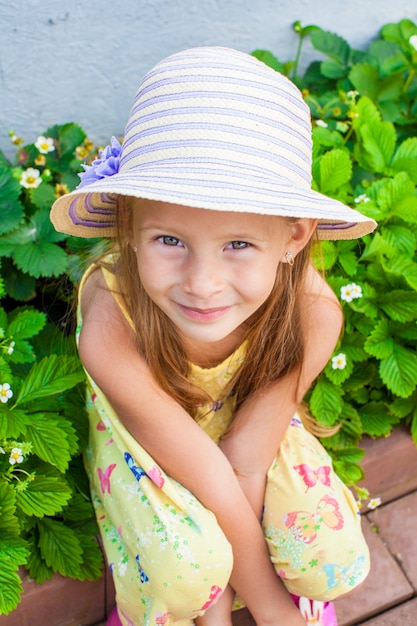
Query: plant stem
(408, 81)
(298, 55)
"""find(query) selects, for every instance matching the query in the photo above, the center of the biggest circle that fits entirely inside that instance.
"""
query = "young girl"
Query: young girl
(200, 334)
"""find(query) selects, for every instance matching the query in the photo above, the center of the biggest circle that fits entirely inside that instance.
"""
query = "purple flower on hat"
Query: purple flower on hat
(106, 165)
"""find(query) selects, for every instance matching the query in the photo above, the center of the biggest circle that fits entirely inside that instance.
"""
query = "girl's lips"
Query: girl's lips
(204, 315)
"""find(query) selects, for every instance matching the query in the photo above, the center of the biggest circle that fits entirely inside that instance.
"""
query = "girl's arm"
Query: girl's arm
(260, 424)
(108, 352)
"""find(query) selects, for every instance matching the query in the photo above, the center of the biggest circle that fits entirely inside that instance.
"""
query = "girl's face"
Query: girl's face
(209, 271)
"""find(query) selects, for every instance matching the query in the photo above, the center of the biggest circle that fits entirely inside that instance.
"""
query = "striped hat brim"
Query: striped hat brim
(211, 128)
(90, 212)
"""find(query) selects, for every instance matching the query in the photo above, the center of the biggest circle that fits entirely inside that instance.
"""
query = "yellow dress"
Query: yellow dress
(168, 556)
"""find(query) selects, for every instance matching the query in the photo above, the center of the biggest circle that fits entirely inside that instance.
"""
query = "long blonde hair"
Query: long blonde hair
(275, 338)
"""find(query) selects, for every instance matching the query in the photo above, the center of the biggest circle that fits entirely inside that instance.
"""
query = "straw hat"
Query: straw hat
(211, 128)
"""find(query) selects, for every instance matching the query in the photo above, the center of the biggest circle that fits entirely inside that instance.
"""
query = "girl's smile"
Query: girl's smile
(209, 271)
(204, 315)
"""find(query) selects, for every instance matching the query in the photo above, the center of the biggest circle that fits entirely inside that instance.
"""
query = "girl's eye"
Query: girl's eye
(169, 241)
(238, 245)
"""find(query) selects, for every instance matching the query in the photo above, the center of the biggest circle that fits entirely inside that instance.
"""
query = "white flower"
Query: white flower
(5, 393)
(10, 349)
(321, 123)
(362, 198)
(413, 41)
(30, 178)
(44, 144)
(350, 292)
(16, 456)
(339, 361)
(352, 94)
(342, 127)
(374, 503)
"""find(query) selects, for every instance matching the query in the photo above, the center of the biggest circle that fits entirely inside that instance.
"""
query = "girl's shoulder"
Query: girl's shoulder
(317, 288)
(98, 301)
(323, 312)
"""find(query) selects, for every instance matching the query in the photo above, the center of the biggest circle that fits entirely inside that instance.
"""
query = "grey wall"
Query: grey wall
(81, 61)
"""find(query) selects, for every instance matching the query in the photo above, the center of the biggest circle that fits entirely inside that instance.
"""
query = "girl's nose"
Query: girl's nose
(202, 277)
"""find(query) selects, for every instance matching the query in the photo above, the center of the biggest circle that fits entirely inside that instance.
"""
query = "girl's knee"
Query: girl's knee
(327, 576)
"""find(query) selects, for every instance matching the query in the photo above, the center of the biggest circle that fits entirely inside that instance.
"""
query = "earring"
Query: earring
(289, 258)
(135, 248)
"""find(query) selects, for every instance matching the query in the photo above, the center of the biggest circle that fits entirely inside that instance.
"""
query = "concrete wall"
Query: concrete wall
(81, 61)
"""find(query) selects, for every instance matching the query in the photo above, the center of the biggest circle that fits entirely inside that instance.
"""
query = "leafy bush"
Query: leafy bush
(364, 110)
(47, 522)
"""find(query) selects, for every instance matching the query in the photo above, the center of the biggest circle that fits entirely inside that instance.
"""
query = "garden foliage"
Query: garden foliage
(47, 521)
(364, 111)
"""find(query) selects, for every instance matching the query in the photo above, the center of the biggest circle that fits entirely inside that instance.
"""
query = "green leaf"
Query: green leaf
(92, 558)
(398, 371)
(12, 422)
(38, 569)
(362, 376)
(326, 402)
(351, 455)
(400, 239)
(78, 508)
(26, 323)
(377, 246)
(335, 170)
(45, 495)
(365, 78)
(403, 407)
(376, 419)
(353, 346)
(399, 305)
(349, 262)
(399, 33)
(33, 247)
(368, 81)
(378, 144)
(338, 376)
(49, 439)
(52, 375)
(400, 266)
(269, 59)
(70, 136)
(11, 209)
(367, 113)
(22, 353)
(60, 547)
(389, 192)
(327, 138)
(10, 588)
(405, 158)
(8, 520)
(43, 196)
(331, 68)
(349, 473)
(18, 285)
(331, 44)
(13, 549)
(380, 343)
(41, 259)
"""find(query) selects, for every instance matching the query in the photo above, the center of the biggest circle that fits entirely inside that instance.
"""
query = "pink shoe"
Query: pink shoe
(318, 613)
(113, 618)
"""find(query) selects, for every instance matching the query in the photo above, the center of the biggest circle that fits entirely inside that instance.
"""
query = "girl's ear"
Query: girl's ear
(301, 232)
